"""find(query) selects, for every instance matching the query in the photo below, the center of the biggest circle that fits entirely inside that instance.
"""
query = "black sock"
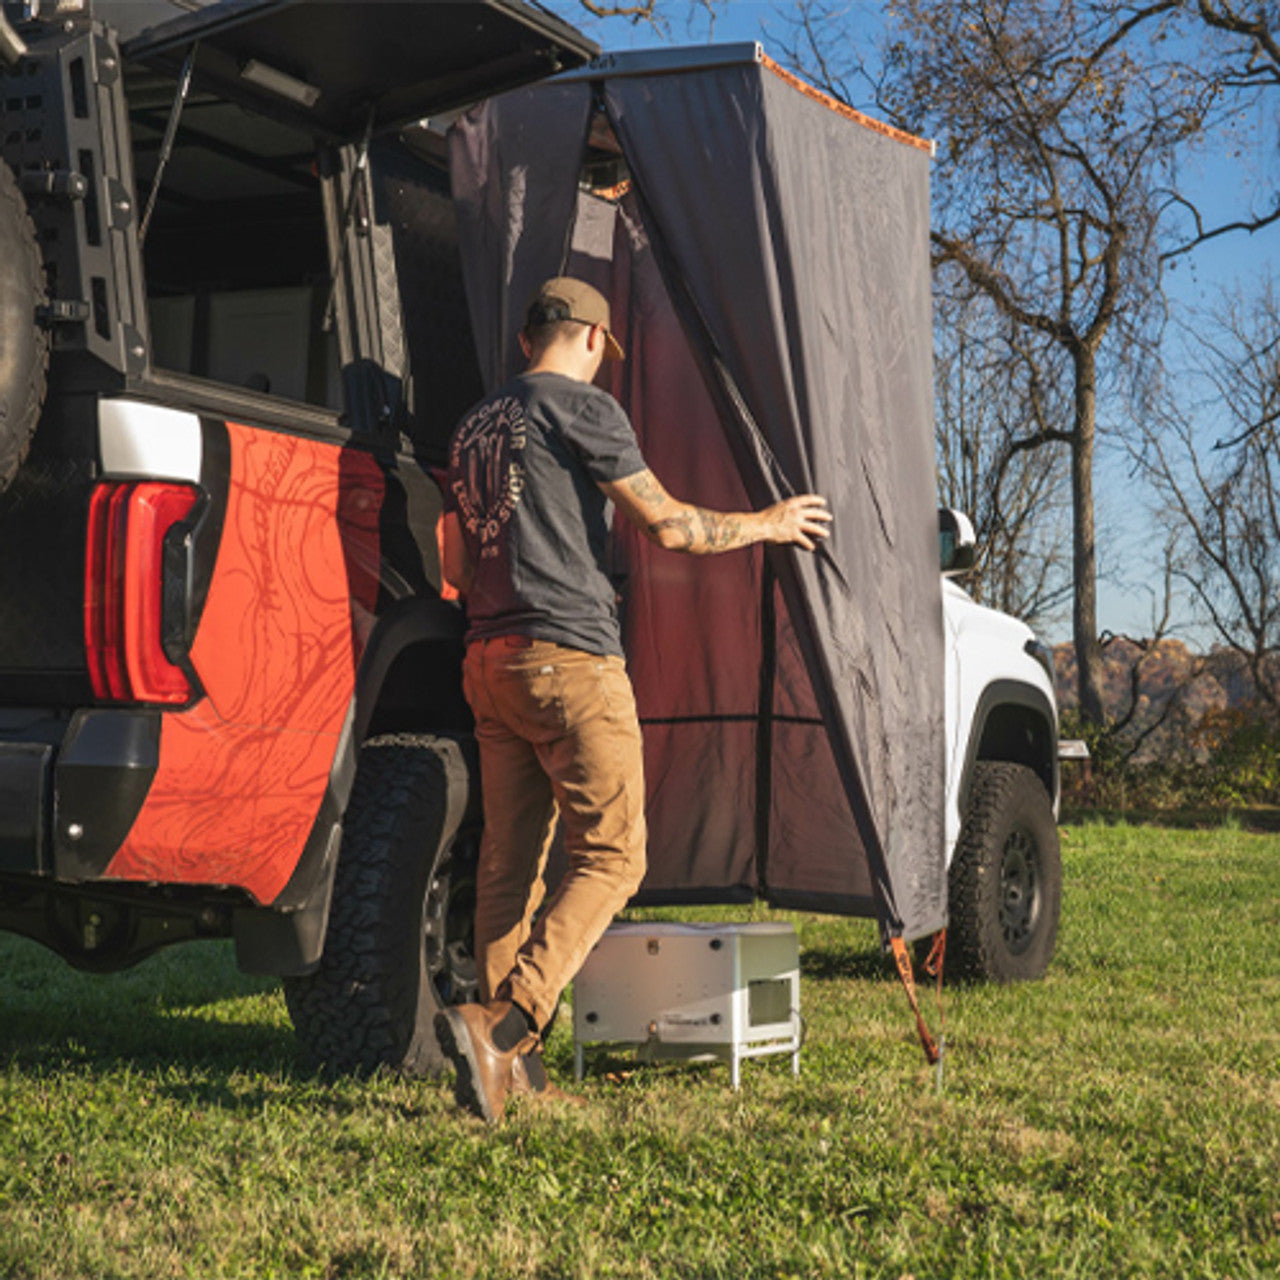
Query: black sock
(536, 1072)
(514, 1027)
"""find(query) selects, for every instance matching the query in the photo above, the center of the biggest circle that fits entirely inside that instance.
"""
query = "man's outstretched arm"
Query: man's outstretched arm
(680, 526)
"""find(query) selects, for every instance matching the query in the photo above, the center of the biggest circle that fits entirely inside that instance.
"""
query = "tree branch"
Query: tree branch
(1250, 225)
(641, 12)
(998, 288)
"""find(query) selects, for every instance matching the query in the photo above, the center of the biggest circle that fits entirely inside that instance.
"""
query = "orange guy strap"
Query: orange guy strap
(933, 967)
(876, 126)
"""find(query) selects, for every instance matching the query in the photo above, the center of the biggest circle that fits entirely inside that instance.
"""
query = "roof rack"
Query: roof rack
(657, 62)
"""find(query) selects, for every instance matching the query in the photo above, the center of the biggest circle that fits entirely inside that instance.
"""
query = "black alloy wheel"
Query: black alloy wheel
(448, 924)
(1021, 900)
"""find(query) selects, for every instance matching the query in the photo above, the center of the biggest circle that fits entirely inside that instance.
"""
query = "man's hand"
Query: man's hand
(678, 526)
(803, 520)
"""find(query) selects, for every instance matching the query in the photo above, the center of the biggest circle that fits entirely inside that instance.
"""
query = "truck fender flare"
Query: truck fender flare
(406, 623)
(287, 938)
(1011, 693)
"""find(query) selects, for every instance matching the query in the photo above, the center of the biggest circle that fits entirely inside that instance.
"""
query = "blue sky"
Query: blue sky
(1130, 542)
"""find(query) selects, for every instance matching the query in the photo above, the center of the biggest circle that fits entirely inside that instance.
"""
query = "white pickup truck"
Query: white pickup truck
(1005, 872)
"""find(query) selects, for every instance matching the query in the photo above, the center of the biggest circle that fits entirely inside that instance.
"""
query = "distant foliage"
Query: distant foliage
(1230, 758)
(1183, 730)
(1244, 755)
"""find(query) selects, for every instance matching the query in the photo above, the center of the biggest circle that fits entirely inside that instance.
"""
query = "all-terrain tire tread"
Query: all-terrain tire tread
(361, 1009)
(18, 423)
(974, 948)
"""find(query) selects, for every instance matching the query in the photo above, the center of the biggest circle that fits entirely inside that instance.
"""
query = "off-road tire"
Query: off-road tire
(397, 948)
(24, 342)
(1005, 883)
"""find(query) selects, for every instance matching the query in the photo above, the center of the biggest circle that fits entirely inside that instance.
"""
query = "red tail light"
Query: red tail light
(124, 591)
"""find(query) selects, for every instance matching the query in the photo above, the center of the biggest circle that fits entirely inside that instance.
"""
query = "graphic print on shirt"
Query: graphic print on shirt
(488, 466)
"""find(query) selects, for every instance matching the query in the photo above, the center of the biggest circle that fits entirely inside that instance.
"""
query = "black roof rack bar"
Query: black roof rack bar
(657, 62)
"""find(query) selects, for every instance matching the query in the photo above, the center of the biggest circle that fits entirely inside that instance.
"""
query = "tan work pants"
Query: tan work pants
(558, 732)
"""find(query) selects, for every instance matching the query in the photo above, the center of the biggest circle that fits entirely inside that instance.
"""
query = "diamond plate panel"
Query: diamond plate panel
(413, 200)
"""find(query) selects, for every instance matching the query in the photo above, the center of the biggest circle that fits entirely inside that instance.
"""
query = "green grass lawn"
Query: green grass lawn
(1121, 1118)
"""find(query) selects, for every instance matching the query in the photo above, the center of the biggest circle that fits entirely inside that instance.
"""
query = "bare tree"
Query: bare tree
(1224, 496)
(1253, 29)
(1154, 708)
(1057, 122)
(990, 395)
(1236, 61)
(661, 15)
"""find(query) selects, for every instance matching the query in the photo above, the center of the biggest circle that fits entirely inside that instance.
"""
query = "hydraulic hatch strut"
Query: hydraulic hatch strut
(170, 136)
(348, 218)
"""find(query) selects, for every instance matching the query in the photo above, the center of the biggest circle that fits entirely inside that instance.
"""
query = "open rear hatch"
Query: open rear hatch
(334, 68)
(237, 302)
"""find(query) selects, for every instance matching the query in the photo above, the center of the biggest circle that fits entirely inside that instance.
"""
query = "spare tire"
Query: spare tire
(24, 342)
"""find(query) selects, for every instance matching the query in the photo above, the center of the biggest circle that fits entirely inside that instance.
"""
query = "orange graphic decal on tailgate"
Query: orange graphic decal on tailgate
(294, 591)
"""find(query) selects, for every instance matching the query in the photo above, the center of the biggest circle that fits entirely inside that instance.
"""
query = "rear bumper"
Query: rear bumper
(26, 788)
(72, 787)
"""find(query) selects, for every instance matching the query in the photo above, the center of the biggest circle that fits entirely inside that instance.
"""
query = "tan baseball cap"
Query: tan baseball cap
(576, 300)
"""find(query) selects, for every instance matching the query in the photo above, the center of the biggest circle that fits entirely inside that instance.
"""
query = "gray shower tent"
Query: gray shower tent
(766, 254)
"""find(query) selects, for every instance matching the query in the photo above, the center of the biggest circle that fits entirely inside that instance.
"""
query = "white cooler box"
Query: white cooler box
(691, 991)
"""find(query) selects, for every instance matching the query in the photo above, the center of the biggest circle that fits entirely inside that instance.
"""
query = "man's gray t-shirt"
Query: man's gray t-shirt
(524, 470)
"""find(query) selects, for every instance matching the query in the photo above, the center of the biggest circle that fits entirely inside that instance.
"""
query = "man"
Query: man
(532, 470)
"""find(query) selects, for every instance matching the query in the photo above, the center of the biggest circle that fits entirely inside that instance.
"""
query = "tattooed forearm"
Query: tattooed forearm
(802, 520)
(675, 533)
(700, 532)
(680, 526)
(720, 532)
(646, 488)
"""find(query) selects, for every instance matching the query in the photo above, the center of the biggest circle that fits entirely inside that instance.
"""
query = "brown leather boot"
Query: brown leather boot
(484, 1072)
(529, 1079)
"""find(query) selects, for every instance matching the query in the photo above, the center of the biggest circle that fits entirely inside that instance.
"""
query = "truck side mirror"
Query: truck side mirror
(957, 542)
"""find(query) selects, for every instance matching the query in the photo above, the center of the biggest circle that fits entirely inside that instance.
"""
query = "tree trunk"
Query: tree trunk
(1084, 556)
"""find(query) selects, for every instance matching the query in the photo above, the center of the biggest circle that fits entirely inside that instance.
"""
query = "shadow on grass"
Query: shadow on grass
(190, 1007)
(828, 964)
(186, 1023)
(200, 1031)
(146, 1043)
(1261, 819)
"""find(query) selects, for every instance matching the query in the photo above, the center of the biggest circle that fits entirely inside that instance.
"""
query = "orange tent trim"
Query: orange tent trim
(876, 126)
